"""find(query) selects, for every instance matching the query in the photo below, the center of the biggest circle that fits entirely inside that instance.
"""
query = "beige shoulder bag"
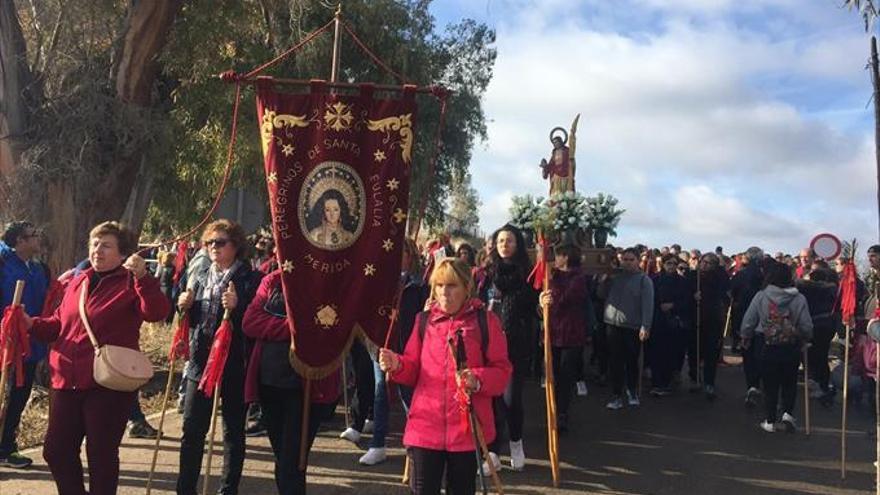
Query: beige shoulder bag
(115, 367)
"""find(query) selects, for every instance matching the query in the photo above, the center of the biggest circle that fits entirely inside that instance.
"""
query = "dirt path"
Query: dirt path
(679, 444)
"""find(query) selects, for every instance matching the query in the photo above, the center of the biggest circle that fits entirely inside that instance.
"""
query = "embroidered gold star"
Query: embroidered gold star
(379, 155)
(399, 215)
(388, 245)
(392, 184)
(369, 270)
(287, 149)
(287, 266)
(272, 178)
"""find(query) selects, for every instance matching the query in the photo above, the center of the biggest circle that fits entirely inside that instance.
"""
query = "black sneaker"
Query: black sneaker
(16, 461)
(142, 429)
(256, 429)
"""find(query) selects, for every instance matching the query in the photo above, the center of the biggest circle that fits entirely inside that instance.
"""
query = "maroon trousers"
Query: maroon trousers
(99, 415)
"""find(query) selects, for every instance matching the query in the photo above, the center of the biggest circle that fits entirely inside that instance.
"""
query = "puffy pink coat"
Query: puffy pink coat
(435, 419)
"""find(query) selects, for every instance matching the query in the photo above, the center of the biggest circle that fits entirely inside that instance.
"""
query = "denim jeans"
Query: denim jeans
(380, 409)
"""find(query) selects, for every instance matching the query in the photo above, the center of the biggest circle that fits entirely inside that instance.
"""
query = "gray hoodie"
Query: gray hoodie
(786, 300)
(630, 300)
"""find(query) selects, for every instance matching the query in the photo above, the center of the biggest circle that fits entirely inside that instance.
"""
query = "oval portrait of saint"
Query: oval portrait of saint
(331, 206)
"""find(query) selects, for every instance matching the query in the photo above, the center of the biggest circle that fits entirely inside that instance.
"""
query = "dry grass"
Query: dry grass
(155, 340)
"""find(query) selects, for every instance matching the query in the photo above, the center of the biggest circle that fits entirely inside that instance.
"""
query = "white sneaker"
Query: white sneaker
(632, 399)
(351, 435)
(517, 456)
(789, 423)
(374, 456)
(368, 426)
(615, 403)
(496, 461)
(767, 426)
(582, 388)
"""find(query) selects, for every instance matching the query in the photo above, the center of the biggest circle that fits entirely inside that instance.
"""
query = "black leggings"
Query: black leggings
(282, 412)
(568, 363)
(823, 333)
(624, 364)
(711, 328)
(509, 411)
(779, 370)
(428, 466)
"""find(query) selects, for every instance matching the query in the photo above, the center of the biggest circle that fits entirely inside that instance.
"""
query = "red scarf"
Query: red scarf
(13, 332)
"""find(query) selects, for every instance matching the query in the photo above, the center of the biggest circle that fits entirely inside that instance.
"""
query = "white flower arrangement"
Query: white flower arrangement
(566, 211)
(602, 214)
(527, 211)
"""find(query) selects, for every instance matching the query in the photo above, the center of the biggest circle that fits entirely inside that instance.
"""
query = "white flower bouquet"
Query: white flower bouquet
(527, 211)
(601, 214)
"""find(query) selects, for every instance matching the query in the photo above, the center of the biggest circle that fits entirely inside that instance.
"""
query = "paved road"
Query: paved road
(679, 444)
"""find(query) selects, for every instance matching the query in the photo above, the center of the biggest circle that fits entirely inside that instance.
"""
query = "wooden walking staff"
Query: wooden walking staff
(697, 326)
(552, 434)
(214, 374)
(459, 360)
(807, 387)
(9, 350)
(847, 299)
(179, 349)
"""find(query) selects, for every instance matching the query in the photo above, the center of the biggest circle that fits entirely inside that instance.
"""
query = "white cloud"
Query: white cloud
(691, 114)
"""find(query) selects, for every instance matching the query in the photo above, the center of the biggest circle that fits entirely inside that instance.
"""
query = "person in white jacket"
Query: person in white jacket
(775, 328)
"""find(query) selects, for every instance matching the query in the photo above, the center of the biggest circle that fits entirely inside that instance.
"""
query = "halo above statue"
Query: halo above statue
(564, 135)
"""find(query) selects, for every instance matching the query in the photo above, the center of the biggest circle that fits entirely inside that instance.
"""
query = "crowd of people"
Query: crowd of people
(469, 341)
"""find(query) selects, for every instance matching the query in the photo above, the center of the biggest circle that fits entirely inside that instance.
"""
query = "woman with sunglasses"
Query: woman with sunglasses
(229, 283)
(438, 436)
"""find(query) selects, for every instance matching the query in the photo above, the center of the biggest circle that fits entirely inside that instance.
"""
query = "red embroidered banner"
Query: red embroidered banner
(337, 171)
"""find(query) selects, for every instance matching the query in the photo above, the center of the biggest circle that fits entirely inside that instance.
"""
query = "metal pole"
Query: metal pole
(875, 80)
(334, 69)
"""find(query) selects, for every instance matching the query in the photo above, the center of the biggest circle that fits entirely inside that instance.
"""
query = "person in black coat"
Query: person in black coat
(747, 282)
(229, 283)
(506, 292)
(673, 303)
(711, 308)
(820, 288)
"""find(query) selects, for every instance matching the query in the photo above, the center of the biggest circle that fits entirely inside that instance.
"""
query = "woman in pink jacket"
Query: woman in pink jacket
(438, 435)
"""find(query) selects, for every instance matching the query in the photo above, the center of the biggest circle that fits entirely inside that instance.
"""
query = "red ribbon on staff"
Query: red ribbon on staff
(213, 373)
(180, 341)
(13, 332)
(848, 292)
(180, 260)
(536, 278)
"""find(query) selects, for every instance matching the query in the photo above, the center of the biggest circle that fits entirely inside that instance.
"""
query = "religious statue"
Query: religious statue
(560, 168)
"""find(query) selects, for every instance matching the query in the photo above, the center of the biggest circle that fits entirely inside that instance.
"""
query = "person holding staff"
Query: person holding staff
(119, 296)
(229, 283)
(437, 436)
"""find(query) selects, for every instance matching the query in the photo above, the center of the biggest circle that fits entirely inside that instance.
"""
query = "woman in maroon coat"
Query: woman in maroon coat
(121, 296)
(569, 300)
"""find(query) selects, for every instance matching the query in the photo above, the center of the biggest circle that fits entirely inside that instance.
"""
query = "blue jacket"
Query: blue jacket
(36, 278)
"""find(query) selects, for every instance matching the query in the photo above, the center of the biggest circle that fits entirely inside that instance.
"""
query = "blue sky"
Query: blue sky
(732, 122)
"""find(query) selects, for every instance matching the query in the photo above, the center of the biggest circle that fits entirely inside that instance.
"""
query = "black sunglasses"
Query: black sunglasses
(217, 242)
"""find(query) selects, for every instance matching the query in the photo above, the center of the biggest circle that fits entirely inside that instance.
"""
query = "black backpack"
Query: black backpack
(482, 322)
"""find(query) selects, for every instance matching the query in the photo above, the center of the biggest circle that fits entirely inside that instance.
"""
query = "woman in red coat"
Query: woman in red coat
(437, 434)
(121, 296)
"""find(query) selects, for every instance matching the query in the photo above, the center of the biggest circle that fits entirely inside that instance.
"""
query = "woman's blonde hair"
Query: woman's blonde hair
(452, 271)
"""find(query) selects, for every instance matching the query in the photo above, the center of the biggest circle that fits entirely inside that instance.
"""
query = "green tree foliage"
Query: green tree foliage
(212, 36)
(464, 205)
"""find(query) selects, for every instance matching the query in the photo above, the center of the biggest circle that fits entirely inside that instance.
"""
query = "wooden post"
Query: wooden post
(334, 68)
(552, 434)
(845, 398)
(9, 350)
(214, 408)
(697, 326)
(807, 387)
(304, 432)
(875, 79)
(877, 415)
(161, 423)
